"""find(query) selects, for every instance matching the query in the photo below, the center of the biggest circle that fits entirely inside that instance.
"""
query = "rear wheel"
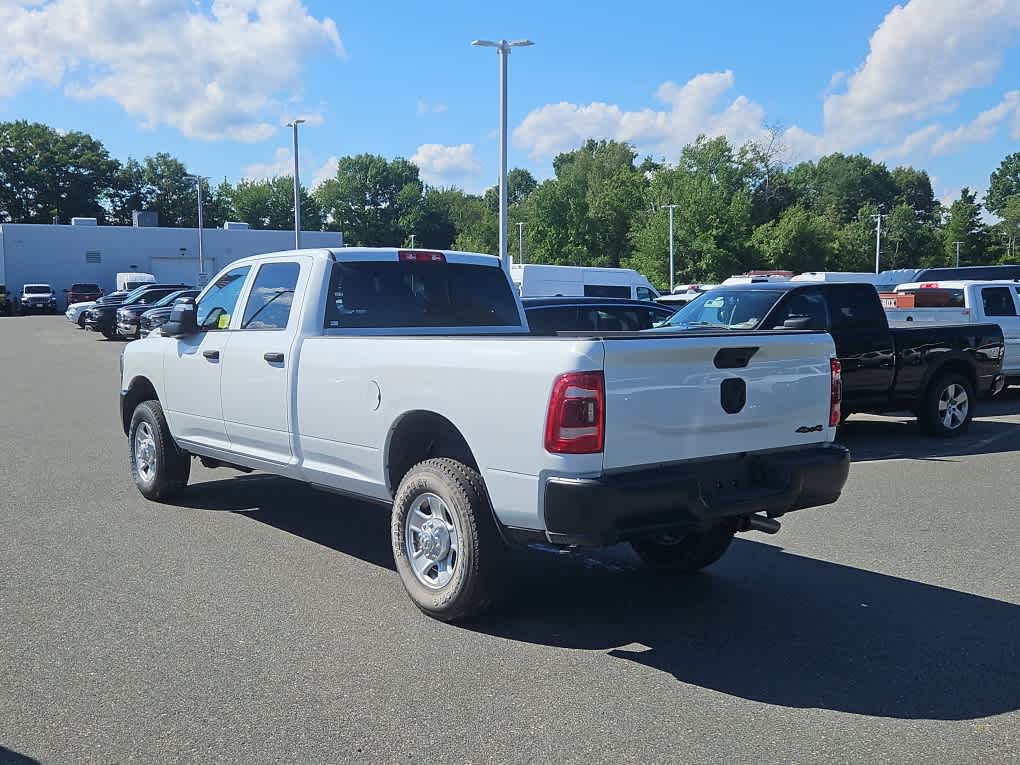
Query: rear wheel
(159, 467)
(109, 334)
(685, 553)
(446, 546)
(948, 406)
(81, 321)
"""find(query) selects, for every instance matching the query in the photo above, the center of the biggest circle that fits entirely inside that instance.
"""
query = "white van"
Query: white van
(536, 280)
(859, 277)
(128, 280)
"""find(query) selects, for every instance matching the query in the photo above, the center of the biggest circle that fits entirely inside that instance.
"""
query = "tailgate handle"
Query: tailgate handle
(732, 394)
(734, 358)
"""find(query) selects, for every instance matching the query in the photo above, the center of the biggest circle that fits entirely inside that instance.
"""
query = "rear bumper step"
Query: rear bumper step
(594, 512)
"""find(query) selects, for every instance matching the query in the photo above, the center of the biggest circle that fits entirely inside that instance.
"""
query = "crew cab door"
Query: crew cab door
(864, 343)
(193, 365)
(257, 369)
(1000, 306)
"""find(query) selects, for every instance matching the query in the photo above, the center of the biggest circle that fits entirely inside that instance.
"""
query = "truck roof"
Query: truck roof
(355, 254)
(959, 284)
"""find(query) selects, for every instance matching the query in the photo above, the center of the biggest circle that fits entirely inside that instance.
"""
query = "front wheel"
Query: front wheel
(948, 406)
(159, 467)
(685, 553)
(446, 546)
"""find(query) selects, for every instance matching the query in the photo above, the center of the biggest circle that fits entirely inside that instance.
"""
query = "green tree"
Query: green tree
(855, 242)
(908, 239)
(1004, 236)
(964, 225)
(519, 184)
(583, 215)
(269, 204)
(46, 173)
(369, 198)
(839, 185)
(1003, 183)
(799, 241)
(913, 190)
(712, 220)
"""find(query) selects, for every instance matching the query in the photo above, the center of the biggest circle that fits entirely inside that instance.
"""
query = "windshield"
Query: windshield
(172, 297)
(37, 289)
(726, 309)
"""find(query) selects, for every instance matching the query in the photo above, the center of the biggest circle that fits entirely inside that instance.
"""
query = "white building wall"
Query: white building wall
(60, 255)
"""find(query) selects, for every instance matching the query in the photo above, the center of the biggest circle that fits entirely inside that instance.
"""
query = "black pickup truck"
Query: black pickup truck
(937, 372)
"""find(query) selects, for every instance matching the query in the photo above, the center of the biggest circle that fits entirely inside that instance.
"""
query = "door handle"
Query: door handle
(211, 355)
(273, 358)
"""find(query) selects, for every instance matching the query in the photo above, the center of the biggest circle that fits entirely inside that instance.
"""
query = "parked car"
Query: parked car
(934, 371)
(5, 300)
(129, 316)
(968, 302)
(37, 298)
(547, 316)
(82, 292)
(75, 312)
(966, 273)
(403, 377)
(539, 280)
(155, 317)
(102, 317)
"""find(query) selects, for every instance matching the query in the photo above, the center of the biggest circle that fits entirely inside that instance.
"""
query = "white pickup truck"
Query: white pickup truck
(407, 377)
(967, 302)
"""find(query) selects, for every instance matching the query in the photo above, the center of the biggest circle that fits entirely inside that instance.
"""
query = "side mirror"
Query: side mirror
(797, 322)
(183, 321)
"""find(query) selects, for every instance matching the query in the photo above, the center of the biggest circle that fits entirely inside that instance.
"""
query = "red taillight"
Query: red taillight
(836, 397)
(576, 423)
(421, 256)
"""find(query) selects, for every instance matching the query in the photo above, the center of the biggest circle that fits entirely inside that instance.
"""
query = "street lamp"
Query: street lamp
(297, 188)
(503, 49)
(878, 238)
(672, 268)
(520, 241)
(201, 244)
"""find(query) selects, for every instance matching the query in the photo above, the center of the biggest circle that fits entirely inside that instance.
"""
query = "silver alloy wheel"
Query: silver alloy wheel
(145, 452)
(432, 534)
(953, 406)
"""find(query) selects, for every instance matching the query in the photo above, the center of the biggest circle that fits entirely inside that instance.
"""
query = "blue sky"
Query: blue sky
(933, 83)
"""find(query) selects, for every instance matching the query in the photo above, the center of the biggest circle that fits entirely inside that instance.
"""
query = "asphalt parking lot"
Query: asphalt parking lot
(256, 620)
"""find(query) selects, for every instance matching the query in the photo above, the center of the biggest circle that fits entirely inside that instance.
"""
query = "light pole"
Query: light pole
(672, 267)
(957, 253)
(201, 242)
(878, 239)
(297, 189)
(503, 49)
(520, 241)
(412, 241)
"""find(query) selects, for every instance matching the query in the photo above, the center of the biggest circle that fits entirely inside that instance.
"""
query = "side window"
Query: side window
(549, 321)
(271, 296)
(998, 301)
(217, 305)
(807, 308)
(606, 290)
(614, 319)
(855, 306)
(643, 293)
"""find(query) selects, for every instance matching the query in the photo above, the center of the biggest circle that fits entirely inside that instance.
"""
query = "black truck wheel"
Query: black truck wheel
(948, 406)
(159, 467)
(685, 553)
(446, 546)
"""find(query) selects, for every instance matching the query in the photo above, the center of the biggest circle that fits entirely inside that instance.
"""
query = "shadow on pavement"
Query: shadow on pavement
(888, 438)
(9, 757)
(763, 624)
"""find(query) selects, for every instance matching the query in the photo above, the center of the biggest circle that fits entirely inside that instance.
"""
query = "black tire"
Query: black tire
(932, 416)
(171, 466)
(81, 321)
(689, 553)
(110, 334)
(480, 553)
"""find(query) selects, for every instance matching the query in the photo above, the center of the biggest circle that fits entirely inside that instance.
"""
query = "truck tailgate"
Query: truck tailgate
(665, 395)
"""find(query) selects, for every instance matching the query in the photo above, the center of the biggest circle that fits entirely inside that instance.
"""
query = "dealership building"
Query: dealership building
(60, 255)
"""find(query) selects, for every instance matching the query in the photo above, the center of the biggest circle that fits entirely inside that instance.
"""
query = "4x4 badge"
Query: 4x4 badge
(806, 429)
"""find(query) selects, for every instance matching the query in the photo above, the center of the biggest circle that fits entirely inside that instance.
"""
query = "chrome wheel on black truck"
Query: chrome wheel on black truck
(948, 406)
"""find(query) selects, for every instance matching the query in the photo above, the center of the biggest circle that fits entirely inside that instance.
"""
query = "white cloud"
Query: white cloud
(281, 164)
(442, 165)
(923, 55)
(229, 72)
(326, 171)
(692, 108)
(426, 107)
(981, 128)
(913, 143)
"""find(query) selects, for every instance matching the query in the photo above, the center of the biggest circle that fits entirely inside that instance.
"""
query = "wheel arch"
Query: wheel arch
(419, 435)
(961, 365)
(140, 389)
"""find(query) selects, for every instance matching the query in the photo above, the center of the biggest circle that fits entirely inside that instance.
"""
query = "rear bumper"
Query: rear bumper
(614, 508)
